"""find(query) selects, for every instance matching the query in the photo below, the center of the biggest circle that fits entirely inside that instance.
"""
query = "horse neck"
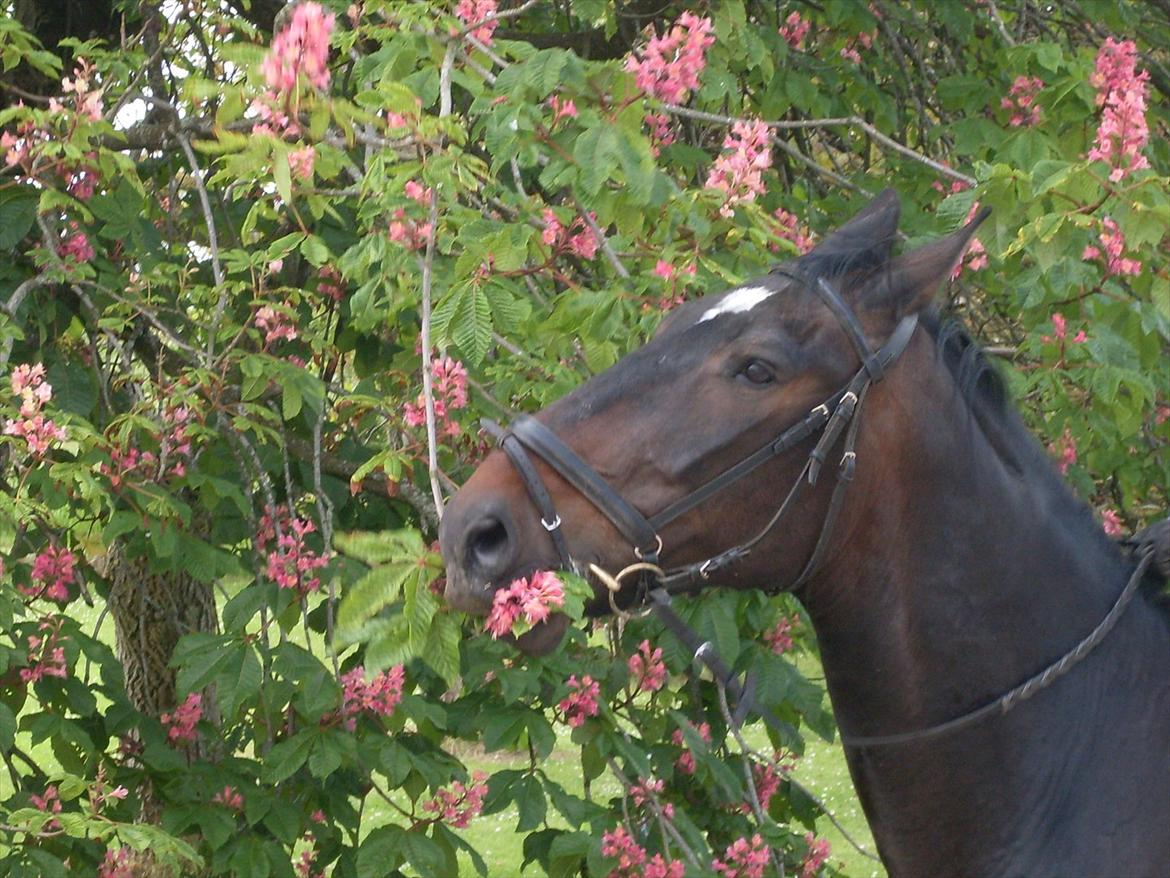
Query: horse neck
(955, 578)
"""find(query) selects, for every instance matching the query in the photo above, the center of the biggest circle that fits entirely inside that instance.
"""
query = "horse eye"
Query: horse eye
(757, 373)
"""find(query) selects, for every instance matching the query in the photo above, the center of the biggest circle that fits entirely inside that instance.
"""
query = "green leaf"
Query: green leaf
(596, 153)
(7, 728)
(288, 756)
(18, 210)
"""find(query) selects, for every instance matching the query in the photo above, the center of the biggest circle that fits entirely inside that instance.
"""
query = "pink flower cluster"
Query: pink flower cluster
(1112, 247)
(330, 284)
(74, 247)
(291, 563)
(473, 12)
(1121, 90)
(581, 702)
(29, 385)
(182, 720)
(767, 778)
(779, 636)
(632, 861)
(274, 119)
(379, 697)
(52, 574)
(1112, 523)
(661, 131)
(794, 30)
(743, 859)
(670, 65)
(460, 804)
(87, 101)
(788, 228)
(1021, 100)
(46, 657)
(50, 803)
(645, 792)
(739, 174)
(404, 230)
(577, 239)
(1060, 332)
(532, 600)
(118, 864)
(686, 760)
(647, 669)
(276, 324)
(817, 856)
(1066, 448)
(301, 48)
(976, 256)
(850, 51)
(174, 453)
(562, 109)
(301, 161)
(230, 798)
(449, 387)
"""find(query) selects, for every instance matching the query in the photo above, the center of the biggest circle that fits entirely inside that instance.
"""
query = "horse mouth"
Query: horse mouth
(543, 637)
(476, 600)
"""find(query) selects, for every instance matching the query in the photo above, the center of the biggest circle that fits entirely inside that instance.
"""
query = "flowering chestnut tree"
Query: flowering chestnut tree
(267, 265)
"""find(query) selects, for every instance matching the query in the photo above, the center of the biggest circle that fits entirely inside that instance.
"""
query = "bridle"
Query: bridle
(837, 415)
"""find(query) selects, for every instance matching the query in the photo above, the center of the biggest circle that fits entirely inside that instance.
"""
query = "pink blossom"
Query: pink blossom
(29, 385)
(794, 30)
(46, 658)
(118, 864)
(562, 109)
(1067, 451)
(330, 283)
(1113, 241)
(75, 248)
(1021, 100)
(87, 101)
(739, 173)
(817, 856)
(661, 131)
(473, 12)
(449, 388)
(274, 120)
(779, 636)
(301, 48)
(669, 66)
(686, 760)
(579, 239)
(38, 431)
(50, 803)
(743, 859)
(532, 600)
(647, 669)
(1112, 522)
(229, 798)
(379, 697)
(581, 702)
(664, 269)
(631, 858)
(52, 574)
(291, 562)
(1121, 91)
(182, 720)
(975, 258)
(415, 191)
(276, 324)
(300, 162)
(788, 228)
(410, 233)
(460, 804)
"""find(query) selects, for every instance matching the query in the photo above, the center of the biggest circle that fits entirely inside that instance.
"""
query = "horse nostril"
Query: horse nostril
(488, 544)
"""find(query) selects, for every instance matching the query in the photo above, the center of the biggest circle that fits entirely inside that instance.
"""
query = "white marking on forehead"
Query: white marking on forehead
(743, 299)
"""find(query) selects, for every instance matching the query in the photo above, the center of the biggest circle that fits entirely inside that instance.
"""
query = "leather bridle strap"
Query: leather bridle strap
(538, 438)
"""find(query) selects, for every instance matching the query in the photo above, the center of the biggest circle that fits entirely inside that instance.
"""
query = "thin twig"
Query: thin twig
(664, 821)
(600, 236)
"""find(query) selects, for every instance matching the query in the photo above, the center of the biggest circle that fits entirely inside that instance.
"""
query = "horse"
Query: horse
(941, 559)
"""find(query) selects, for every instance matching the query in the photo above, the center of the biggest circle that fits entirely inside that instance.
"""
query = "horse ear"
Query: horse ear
(912, 279)
(870, 232)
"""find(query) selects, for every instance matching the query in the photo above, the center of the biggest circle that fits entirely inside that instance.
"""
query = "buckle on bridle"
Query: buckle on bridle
(822, 409)
(553, 525)
(848, 465)
(653, 556)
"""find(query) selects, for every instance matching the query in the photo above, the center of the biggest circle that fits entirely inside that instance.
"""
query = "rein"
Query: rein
(837, 415)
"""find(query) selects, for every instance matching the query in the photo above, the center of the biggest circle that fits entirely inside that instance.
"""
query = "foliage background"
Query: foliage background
(226, 335)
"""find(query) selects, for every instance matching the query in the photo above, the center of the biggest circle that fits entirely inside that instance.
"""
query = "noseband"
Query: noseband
(838, 414)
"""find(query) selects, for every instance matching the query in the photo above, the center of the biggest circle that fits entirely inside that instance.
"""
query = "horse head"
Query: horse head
(640, 461)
